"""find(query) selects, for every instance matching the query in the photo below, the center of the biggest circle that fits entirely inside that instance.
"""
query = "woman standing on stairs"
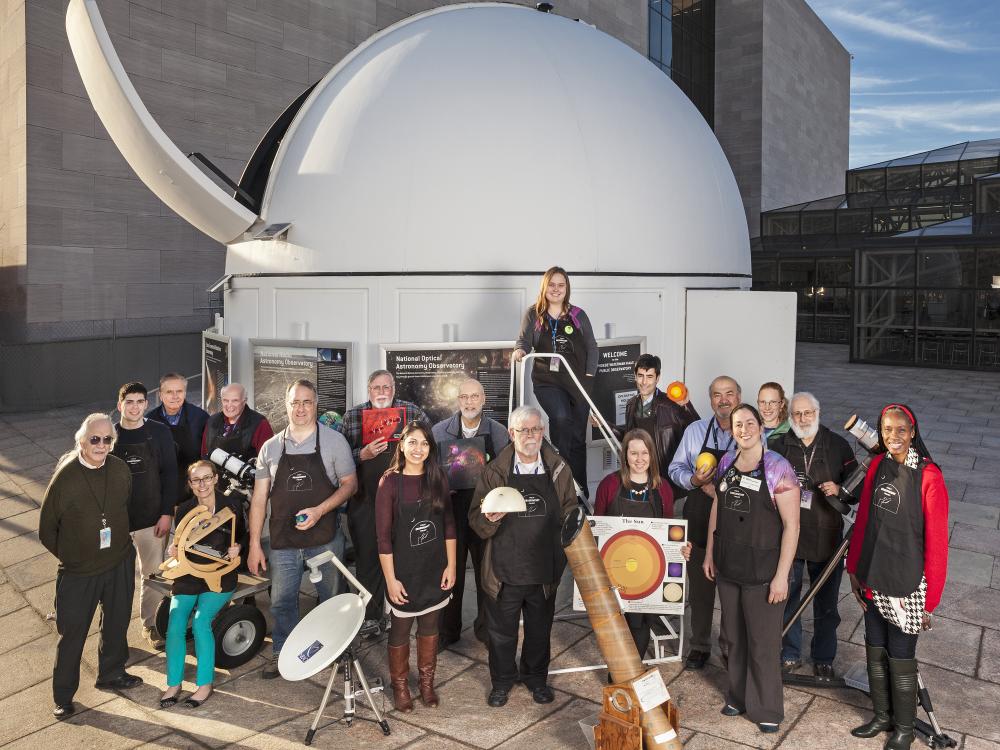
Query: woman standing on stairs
(898, 560)
(415, 529)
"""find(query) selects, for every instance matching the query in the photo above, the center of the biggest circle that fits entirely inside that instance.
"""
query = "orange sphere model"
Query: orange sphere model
(677, 391)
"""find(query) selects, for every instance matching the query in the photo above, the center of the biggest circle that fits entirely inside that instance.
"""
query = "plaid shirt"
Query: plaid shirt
(350, 428)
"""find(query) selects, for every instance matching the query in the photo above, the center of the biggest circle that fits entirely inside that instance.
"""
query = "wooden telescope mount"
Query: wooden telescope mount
(197, 560)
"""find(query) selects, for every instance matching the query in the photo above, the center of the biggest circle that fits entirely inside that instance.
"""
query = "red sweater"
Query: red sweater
(934, 499)
(607, 491)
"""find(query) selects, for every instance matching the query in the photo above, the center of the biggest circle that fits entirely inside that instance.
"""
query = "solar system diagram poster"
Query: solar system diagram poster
(429, 375)
(278, 364)
(216, 372)
(614, 382)
(644, 562)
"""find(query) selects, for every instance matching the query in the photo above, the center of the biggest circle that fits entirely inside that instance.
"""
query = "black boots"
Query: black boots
(878, 689)
(892, 684)
(903, 677)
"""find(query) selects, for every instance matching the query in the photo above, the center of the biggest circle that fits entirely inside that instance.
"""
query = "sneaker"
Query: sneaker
(271, 668)
(153, 638)
(824, 672)
(790, 665)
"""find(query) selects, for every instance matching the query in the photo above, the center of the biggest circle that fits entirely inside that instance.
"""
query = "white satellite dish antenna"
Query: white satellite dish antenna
(326, 636)
(321, 636)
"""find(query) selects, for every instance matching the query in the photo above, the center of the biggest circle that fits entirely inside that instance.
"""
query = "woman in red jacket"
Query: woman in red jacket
(636, 490)
(897, 561)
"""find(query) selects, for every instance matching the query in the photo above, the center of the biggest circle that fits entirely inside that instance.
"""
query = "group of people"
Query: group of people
(759, 507)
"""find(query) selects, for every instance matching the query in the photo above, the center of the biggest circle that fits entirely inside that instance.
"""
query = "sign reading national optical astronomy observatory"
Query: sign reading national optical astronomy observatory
(429, 375)
(277, 364)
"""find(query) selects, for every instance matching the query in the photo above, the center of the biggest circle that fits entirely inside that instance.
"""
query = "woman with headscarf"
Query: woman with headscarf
(898, 560)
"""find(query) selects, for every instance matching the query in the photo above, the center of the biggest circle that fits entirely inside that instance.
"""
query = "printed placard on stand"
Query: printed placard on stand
(277, 363)
(429, 374)
(216, 370)
(614, 383)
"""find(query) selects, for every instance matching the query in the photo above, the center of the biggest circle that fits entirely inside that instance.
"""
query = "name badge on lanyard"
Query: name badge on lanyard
(105, 536)
(749, 483)
(805, 499)
(553, 362)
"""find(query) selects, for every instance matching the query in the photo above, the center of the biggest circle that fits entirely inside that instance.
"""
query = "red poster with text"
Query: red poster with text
(382, 423)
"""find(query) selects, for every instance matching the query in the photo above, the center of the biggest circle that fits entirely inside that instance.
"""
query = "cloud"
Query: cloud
(968, 118)
(863, 83)
(940, 92)
(924, 31)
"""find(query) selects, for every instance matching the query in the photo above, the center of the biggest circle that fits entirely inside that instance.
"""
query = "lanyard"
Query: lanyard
(715, 435)
(517, 470)
(553, 327)
(808, 460)
(100, 502)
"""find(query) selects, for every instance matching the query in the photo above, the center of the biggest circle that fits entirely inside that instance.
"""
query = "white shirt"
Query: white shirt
(80, 459)
(533, 468)
(468, 432)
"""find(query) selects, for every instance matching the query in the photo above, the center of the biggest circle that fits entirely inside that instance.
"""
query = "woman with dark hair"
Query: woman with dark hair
(753, 533)
(898, 561)
(636, 490)
(553, 326)
(415, 529)
(192, 594)
(772, 404)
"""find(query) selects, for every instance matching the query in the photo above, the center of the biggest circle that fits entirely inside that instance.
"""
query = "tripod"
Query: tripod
(352, 667)
(931, 733)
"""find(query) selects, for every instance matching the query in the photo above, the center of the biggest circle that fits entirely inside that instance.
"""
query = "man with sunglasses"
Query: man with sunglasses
(84, 522)
(522, 557)
(822, 460)
(148, 449)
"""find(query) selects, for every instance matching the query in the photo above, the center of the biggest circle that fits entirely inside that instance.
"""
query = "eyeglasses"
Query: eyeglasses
(808, 414)
(98, 439)
(470, 397)
(769, 404)
(202, 480)
(299, 404)
(530, 431)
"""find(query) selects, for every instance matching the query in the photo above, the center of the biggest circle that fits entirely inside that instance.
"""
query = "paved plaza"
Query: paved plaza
(959, 413)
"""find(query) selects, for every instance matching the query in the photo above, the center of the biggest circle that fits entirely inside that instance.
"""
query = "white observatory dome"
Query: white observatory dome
(494, 138)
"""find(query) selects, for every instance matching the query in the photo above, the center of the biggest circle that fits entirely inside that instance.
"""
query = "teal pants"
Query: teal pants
(206, 606)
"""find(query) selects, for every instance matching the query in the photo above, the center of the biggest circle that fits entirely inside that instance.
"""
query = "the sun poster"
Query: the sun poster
(644, 562)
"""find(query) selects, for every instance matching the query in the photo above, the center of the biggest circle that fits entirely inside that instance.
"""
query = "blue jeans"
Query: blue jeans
(881, 632)
(826, 616)
(206, 606)
(286, 568)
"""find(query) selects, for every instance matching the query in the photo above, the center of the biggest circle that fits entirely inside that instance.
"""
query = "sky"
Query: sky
(923, 75)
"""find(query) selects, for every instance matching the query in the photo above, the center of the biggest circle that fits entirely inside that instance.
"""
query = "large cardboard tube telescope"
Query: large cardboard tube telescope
(610, 628)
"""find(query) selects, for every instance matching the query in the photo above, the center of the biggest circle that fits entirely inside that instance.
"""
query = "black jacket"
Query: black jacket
(671, 421)
(820, 526)
(195, 416)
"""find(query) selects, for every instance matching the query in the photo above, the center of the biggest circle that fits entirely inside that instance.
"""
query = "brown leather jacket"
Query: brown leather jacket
(496, 474)
(671, 421)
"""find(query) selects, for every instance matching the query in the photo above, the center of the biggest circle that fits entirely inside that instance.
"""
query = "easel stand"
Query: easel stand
(352, 668)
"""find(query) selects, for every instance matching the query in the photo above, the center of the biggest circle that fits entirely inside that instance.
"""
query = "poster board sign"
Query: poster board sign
(279, 363)
(614, 383)
(644, 562)
(429, 374)
(463, 460)
(382, 424)
(216, 370)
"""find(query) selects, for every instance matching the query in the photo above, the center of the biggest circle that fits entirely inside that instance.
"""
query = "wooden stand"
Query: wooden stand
(620, 721)
(194, 527)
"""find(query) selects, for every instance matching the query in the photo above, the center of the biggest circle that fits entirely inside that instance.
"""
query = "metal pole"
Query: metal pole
(815, 586)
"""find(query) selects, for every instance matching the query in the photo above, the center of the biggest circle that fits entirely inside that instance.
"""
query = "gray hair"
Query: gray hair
(522, 413)
(81, 434)
(380, 373)
(731, 379)
(808, 397)
(243, 390)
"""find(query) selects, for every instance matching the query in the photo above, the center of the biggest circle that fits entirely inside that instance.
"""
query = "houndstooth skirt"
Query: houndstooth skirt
(906, 613)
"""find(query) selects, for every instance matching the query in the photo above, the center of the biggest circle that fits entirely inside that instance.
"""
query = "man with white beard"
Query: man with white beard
(822, 460)
(468, 422)
(372, 460)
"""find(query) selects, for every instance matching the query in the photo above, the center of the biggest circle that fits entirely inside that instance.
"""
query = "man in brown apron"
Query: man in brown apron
(305, 473)
(713, 436)
(372, 460)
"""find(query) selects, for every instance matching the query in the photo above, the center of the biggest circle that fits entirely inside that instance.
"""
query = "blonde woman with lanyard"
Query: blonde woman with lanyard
(417, 548)
(753, 535)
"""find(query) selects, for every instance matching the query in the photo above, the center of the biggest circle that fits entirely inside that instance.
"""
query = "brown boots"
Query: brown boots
(399, 673)
(427, 648)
